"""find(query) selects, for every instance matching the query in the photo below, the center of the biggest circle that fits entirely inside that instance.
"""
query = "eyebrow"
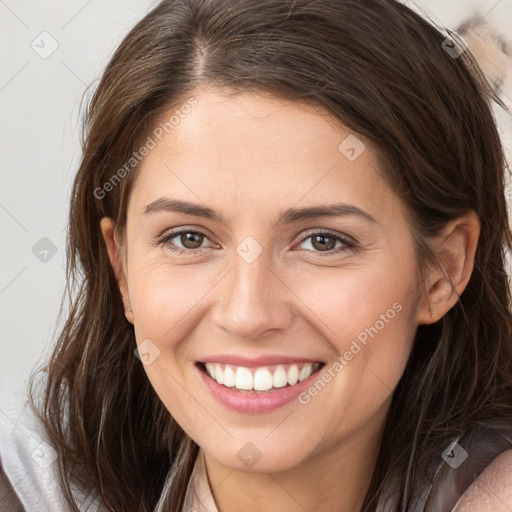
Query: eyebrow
(287, 217)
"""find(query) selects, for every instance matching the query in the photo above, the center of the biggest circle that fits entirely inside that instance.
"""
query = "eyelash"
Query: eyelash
(348, 244)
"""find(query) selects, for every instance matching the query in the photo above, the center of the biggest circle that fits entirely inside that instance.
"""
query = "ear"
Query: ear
(117, 260)
(456, 250)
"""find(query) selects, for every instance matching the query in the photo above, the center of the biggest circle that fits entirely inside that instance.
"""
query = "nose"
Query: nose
(252, 299)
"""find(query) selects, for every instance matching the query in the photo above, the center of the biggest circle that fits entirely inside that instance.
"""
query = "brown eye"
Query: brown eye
(328, 243)
(322, 242)
(184, 241)
(191, 239)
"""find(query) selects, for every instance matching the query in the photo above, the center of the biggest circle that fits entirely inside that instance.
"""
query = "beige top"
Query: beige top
(199, 496)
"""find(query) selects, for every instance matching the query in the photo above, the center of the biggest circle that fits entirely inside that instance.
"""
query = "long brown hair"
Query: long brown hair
(384, 72)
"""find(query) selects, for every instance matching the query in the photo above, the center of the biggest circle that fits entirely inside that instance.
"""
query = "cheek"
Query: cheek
(368, 315)
(166, 298)
(352, 303)
(166, 301)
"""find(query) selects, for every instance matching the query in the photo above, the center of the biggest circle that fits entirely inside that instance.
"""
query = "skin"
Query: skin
(249, 157)
(492, 490)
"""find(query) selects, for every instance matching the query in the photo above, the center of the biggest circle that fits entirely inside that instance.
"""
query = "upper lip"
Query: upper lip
(263, 360)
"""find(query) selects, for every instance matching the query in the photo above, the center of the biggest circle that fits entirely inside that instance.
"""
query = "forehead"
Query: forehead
(254, 152)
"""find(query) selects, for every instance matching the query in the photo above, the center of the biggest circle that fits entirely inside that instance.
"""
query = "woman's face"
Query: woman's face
(294, 255)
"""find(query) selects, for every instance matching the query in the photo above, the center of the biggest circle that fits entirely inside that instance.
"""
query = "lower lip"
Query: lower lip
(256, 403)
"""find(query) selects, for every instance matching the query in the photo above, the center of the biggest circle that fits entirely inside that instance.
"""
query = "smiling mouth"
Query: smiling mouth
(260, 379)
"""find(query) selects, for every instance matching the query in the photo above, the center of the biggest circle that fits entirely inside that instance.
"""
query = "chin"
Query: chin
(253, 459)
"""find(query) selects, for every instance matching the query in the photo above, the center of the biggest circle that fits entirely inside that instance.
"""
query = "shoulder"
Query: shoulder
(29, 463)
(492, 490)
(477, 460)
(27, 459)
(9, 501)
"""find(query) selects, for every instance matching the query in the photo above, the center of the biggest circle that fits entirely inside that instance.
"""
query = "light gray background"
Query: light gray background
(39, 148)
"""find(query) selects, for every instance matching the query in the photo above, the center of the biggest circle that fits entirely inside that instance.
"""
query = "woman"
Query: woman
(288, 232)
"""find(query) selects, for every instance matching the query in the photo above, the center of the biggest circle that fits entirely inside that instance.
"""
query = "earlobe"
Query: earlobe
(456, 251)
(107, 227)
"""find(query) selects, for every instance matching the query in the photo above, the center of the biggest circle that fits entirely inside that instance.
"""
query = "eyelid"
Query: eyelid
(330, 232)
(162, 239)
(349, 243)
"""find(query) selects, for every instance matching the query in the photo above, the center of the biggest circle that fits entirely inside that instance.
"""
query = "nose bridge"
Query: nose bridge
(251, 300)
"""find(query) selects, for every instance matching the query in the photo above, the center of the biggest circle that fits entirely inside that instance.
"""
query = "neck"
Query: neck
(335, 478)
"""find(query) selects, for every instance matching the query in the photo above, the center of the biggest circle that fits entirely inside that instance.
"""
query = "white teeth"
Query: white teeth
(260, 379)
(229, 377)
(219, 374)
(243, 378)
(293, 375)
(306, 371)
(279, 380)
